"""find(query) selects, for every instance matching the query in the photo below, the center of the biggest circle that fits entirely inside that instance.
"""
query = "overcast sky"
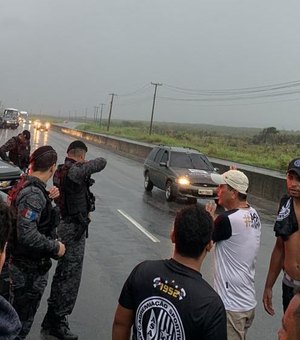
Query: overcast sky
(61, 56)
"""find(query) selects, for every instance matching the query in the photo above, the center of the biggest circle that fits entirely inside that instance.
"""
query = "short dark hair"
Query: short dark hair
(6, 223)
(76, 152)
(241, 197)
(193, 229)
(26, 134)
(43, 158)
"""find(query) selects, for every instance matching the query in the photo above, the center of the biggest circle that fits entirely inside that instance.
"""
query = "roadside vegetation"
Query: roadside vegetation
(266, 148)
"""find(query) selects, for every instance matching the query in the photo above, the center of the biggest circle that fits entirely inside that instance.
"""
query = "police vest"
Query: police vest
(74, 197)
(48, 221)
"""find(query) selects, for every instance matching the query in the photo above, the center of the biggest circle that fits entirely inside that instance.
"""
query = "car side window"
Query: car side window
(158, 156)
(153, 153)
(165, 157)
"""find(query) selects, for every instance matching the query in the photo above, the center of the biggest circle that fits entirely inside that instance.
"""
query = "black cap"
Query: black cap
(26, 134)
(41, 151)
(294, 166)
(77, 144)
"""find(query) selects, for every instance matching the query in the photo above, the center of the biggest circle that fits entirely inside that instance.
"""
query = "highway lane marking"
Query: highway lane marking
(141, 228)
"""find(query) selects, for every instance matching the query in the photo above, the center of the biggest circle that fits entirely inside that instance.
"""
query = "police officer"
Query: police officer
(33, 243)
(18, 148)
(75, 202)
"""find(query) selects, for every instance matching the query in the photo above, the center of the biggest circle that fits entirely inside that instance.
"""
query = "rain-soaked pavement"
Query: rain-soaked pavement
(116, 245)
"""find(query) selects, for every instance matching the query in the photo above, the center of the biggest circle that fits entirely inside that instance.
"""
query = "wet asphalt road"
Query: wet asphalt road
(116, 244)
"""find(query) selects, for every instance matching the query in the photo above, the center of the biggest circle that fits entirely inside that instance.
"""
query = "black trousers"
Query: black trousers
(27, 287)
(287, 295)
(67, 277)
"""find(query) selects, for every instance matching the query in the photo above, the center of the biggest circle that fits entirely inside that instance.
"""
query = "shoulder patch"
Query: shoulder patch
(29, 214)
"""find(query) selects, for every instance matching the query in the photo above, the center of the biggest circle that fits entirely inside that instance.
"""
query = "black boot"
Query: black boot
(57, 327)
(62, 332)
(48, 322)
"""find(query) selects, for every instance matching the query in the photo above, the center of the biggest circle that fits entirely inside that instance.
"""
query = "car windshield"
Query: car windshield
(10, 114)
(190, 161)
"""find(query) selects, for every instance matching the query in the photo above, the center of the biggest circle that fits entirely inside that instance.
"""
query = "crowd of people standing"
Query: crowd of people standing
(160, 299)
(41, 231)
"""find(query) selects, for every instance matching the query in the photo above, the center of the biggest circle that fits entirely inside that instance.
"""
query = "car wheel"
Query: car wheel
(170, 196)
(148, 185)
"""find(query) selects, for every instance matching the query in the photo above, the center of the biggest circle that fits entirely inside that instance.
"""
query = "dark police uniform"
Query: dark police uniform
(31, 249)
(18, 152)
(75, 206)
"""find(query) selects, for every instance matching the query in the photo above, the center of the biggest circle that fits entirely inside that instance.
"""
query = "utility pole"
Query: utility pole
(101, 112)
(110, 109)
(85, 115)
(95, 113)
(153, 105)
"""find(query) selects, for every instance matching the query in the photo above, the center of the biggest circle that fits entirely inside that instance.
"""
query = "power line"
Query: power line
(131, 101)
(231, 91)
(141, 89)
(229, 98)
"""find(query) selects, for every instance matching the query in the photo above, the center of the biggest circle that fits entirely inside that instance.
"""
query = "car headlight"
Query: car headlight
(47, 125)
(4, 184)
(183, 181)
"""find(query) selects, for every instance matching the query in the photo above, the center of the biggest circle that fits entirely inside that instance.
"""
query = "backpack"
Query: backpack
(59, 178)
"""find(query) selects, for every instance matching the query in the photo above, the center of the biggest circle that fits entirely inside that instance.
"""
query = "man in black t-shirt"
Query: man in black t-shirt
(169, 299)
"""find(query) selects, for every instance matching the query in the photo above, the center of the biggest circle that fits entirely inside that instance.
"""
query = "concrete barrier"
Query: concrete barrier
(264, 183)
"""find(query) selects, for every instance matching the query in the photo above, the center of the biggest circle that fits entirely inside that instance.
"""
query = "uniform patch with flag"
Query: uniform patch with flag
(30, 214)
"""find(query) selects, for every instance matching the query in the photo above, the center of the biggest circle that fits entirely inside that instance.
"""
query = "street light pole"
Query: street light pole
(153, 105)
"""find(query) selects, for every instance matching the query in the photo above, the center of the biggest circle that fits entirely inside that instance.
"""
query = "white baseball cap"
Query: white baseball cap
(234, 178)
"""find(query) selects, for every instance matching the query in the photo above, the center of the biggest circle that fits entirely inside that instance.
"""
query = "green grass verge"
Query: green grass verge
(236, 147)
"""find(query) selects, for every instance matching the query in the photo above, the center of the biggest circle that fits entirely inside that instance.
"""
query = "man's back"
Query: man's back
(173, 301)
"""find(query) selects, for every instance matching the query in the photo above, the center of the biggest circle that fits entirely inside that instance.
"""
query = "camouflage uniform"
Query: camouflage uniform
(18, 152)
(66, 281)
(31, 249)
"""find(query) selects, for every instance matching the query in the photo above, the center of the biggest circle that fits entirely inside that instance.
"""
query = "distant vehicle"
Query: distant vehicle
(9, 175)
(23, 118)
(181, 172)
(42, 126)
(9, 119)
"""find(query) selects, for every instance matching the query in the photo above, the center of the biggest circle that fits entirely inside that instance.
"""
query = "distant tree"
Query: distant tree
(267, 135)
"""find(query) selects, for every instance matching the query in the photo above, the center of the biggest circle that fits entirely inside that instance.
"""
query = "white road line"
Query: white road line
(142, 229)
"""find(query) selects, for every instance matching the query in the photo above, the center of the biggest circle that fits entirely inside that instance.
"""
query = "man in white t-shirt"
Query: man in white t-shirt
(237, 239)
